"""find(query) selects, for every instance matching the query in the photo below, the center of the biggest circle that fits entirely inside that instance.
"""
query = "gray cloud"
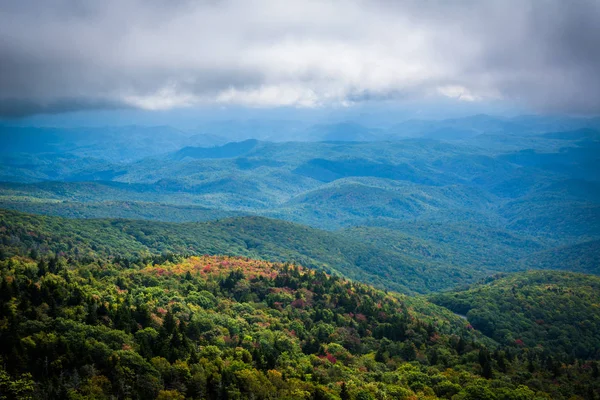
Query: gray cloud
(62, 55)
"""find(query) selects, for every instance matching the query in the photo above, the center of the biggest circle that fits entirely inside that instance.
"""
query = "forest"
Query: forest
(550, 310)
(234, 328)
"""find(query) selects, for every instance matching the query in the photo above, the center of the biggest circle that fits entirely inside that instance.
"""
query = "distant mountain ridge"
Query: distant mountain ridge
(116, 144)
(126, 143)
(229, 150)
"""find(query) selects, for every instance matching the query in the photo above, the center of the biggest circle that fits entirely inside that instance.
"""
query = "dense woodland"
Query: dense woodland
(256, 237)
(385, 258)
(552, 311)
(221, 327)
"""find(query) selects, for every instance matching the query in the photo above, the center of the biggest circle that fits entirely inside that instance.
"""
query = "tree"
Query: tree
(485, 362)
(595, 370)
(344, 394)
(170, 395)
(408, 351)
(16, 389)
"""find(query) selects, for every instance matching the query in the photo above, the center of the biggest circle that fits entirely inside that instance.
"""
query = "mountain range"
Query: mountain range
(453, 259)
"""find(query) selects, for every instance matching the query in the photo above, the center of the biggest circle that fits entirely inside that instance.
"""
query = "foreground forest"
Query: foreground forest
(221, 327)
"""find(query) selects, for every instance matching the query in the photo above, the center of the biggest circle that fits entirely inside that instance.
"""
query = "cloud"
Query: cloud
(458, 92)
(62, 55)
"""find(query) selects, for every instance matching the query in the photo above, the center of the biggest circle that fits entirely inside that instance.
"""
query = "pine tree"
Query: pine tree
(42, 269)
(344, 394)
(434, 357)
(486, 364)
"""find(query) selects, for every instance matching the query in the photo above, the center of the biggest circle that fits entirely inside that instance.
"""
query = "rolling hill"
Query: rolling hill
(553, 312)
(248, 236)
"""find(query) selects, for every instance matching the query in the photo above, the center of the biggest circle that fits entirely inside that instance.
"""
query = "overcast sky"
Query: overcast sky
(65, 55)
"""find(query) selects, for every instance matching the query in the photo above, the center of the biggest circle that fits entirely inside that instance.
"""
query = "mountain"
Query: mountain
(578, 134)
(342, 132)
(370, 201)
(471, 126)
(176, 264)
(453, 129)
(555, 313)
(118, 209)
(229, 150)
(331, 170)
(428, 257)
(250, 176)
(580, 257)
(115, 144)
(476, 247)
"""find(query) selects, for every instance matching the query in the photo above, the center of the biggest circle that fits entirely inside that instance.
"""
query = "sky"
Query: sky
(110, 57)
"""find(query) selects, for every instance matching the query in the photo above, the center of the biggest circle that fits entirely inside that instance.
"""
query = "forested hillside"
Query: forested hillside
(250, 236)
(552, 313)
(411, 262)
(220, 327)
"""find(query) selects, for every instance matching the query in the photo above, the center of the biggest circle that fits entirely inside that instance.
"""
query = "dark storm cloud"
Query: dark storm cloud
(19, 107)
(63, 55)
